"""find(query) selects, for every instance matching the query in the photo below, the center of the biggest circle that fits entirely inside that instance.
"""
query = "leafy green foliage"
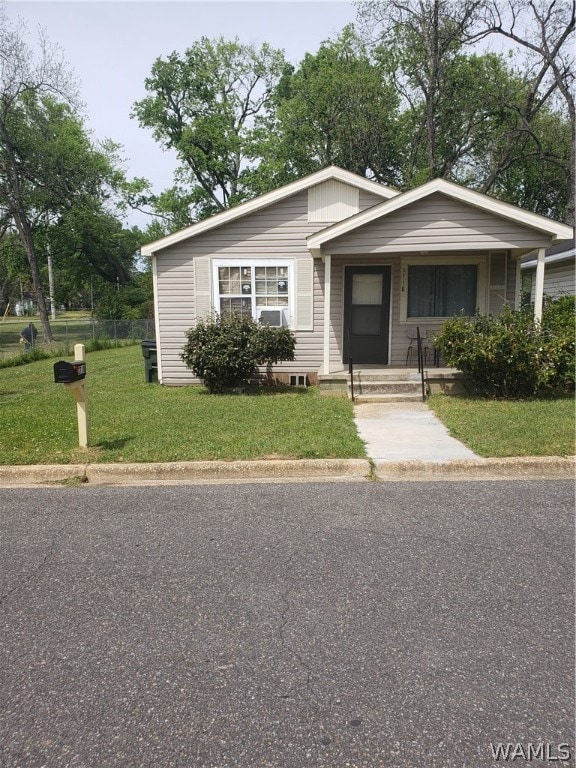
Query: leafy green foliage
(337, 108)
(504, 125)
(133, 301)
(414, 107)
(512, 356)
(224, 351)
(202, 104)
(55, 187)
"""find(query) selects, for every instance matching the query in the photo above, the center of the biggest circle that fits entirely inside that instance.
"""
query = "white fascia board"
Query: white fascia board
(557, 230)
(262, 201)
(554, 259)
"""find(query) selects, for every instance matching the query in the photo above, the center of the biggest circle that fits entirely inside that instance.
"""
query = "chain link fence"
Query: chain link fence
(69, 332)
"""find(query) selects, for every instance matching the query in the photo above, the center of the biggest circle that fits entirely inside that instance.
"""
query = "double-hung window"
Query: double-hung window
(259, 289)
(439, 290)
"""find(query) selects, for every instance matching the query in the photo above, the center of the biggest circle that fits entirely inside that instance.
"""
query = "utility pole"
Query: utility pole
(51, 284)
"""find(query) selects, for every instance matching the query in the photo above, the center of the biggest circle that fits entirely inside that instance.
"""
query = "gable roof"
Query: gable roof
(269, 198)
(550, 227)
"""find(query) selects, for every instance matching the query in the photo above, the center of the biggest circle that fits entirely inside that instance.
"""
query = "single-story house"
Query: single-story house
(350, 265)
(559, 274)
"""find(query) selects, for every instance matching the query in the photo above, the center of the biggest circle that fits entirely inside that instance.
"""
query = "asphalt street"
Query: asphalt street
(347, 625)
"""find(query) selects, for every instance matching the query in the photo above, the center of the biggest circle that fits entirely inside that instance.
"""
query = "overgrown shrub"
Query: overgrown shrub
(511, 356)
(225, 350)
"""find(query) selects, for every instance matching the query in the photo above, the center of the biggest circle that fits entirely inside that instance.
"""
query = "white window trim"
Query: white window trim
(254, 262)
(435, 261)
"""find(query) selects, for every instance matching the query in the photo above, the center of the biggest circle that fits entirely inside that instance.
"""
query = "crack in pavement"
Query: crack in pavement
(23, 581)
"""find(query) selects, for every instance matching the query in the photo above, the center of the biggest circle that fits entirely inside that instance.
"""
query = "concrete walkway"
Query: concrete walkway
(406, 432)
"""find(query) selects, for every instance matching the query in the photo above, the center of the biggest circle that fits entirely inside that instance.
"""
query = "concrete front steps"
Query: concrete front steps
(391, 385)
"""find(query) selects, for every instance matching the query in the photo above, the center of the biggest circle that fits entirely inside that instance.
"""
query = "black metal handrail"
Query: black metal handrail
(421, 362)
(351, 373)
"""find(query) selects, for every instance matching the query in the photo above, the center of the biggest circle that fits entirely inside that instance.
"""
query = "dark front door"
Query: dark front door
(366, 314)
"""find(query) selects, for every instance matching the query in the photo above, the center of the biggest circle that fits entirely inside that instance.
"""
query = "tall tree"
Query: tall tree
(26, 81)
(202, 104)
(51, 172)
(423, 37)
(508, 108)
(336, 108)
(89, 245)
(545, 30)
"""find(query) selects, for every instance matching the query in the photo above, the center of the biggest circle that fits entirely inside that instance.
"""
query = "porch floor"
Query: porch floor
(401, 370)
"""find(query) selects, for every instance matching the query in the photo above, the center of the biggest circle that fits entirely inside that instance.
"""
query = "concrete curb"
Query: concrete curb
(529, 467)
(176, 473)
(187, 472)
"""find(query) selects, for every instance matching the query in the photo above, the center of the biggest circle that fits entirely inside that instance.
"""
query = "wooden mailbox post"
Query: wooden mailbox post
(73, 376)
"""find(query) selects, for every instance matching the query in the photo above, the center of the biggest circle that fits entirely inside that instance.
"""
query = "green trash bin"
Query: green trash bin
(150, 361)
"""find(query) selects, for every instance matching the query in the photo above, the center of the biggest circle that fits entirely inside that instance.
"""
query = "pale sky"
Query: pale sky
(111, 47)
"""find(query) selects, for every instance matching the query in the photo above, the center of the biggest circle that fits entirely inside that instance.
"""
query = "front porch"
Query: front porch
(372, 383)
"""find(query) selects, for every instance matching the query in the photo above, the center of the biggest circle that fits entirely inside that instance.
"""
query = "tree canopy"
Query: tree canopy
(203, 104)
(507, 107)
(53, 178)
(338, 107)
(407, 94)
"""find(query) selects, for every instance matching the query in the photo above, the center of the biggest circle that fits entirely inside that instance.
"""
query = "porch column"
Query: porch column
(327, 280)
(539, 287)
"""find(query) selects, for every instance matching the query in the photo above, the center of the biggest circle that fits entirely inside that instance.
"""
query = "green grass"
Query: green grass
(498, 428)
(131, 421)
(134, 421)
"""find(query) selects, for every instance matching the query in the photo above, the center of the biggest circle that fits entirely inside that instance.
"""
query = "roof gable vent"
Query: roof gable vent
(332, 201)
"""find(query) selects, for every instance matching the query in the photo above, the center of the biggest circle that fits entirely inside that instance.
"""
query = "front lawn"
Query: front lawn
(497, 428)
(131, 421)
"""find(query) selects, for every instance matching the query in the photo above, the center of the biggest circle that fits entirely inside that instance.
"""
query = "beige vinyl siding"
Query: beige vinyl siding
(511, 281)
(559, 279)
(436, 223)
(436, 226)
(184, 282)
(175, 310)
(367, 200)
(332, 201)
(277, 232)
